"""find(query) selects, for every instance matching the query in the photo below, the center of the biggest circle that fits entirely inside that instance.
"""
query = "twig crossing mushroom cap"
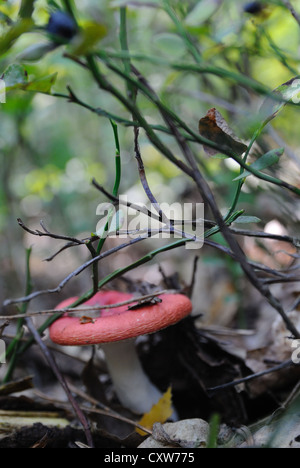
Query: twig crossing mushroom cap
(118, 323)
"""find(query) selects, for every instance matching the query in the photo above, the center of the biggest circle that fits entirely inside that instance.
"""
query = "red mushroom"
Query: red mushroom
(114, 329)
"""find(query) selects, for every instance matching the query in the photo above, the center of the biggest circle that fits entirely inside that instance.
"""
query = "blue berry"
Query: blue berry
(253, 7)
(61, 24)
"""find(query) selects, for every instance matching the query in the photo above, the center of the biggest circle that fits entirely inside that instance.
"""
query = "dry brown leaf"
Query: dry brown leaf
(215, 128)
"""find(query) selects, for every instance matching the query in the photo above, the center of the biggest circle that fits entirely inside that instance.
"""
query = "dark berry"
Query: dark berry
(62, 25)
(253, 8)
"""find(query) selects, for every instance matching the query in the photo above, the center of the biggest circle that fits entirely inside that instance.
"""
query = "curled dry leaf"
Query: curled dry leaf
(215, 128)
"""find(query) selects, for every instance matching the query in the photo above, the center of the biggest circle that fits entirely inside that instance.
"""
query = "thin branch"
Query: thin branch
(193, 280)
(49, 234)
(74, 273)
(94, 267)
(266, 235)
(79, 310)
(295, 304)
(287, 279)
(233, 383)
(119, 201)
(144, 181)
(64, 247)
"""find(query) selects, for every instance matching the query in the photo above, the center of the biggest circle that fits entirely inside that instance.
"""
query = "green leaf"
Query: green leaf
(267, 160)
(214, 428)
(42, 85)
(19, 28)
(247, 219)
(15, 77)
(284, 93)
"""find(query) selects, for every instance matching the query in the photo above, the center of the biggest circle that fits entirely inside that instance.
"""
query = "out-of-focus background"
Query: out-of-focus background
(196, 55)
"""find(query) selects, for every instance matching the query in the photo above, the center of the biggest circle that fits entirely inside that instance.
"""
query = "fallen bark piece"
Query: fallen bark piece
(13, 420)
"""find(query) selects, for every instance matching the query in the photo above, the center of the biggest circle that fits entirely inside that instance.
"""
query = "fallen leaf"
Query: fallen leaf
(215, 128)
(159, 412)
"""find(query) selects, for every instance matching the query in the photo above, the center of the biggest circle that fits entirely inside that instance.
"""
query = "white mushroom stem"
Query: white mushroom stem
(133, 388)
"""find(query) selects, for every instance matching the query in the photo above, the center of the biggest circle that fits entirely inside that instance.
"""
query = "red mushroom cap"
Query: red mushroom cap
(118, 323)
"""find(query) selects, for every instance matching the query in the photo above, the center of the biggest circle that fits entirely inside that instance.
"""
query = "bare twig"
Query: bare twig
(192, 285)
(74, 273)
(266, 235)
(79, 310)
(49, 234)
(119, 201)
(233, 383)
(286, 279)
(143, 178)
(64, 247)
